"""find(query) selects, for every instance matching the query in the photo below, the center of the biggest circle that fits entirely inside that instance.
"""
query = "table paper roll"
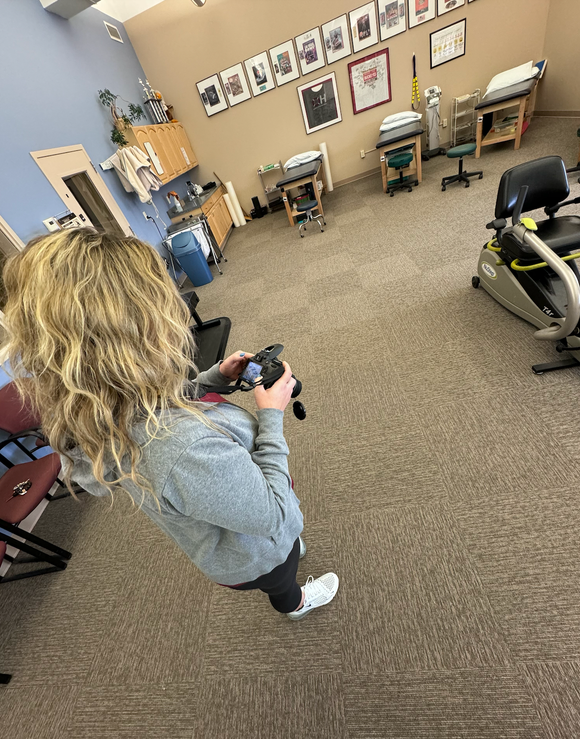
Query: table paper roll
(233, 214)
(326, 165)
(235, 203)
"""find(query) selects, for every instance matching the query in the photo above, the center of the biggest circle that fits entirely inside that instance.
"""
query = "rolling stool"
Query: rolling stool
(461, 176)
(306, 207)
(401, 162)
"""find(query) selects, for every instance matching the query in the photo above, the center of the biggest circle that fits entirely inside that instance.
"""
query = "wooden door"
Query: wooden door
(186, 148)
(172, 148)
(149, 145)
(157, 139)
(67, 162)
(214, 221)
(224, 217)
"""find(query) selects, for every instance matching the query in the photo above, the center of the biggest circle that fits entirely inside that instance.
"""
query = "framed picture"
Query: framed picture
(319, 103)
(235, 84)
(392, 18)
(448, 43)
(212, 95)
(336, 39)
(259, 74)
(444, 6)
(363, 24)
(370, 81)
(310, 54)
(420, 11)
(284, 63)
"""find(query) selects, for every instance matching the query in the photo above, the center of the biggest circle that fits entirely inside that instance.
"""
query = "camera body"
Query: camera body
(265, 364)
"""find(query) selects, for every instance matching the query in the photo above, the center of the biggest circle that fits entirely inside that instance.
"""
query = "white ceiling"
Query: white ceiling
(122, 10)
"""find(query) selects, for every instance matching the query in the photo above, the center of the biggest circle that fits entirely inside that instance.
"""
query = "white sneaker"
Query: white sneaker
(317, 593)
(302, 547)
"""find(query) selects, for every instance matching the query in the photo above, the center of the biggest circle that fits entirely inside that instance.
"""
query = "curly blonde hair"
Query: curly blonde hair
(98, 341)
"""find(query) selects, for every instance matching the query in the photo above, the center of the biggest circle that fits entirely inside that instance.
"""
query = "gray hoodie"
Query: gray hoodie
(225, 499)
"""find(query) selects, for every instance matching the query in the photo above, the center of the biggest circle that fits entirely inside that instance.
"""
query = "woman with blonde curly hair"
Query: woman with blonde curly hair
(99, 345)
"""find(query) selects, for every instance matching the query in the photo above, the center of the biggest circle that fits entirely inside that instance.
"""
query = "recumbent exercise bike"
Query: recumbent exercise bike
(530, 267)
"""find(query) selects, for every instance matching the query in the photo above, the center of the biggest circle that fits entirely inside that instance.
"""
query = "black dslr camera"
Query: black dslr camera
(265, 365)
(268, 368)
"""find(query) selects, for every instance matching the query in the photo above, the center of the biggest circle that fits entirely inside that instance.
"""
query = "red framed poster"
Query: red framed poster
(370, 81)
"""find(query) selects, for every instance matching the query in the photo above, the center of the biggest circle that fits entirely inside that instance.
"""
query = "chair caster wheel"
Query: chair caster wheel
(321, 230)
(392, 194)
(536, 372)
(467, 184)
(324, 222)
(480, 177)
(301, 236)
(410, 189)
(443, 189)
(475, 281)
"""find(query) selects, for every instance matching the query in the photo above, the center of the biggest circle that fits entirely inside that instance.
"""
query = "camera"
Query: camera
(265, 364)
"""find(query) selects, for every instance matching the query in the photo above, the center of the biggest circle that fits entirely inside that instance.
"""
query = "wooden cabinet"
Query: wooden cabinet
(168, 147)
(219, 220)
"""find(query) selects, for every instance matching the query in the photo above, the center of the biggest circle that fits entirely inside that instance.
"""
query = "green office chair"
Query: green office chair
(400, 162)
(458, 152)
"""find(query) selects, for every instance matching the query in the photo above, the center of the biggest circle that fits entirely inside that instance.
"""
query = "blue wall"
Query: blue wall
(50, 71)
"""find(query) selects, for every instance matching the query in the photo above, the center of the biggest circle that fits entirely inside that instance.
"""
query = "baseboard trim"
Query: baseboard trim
(354, 178)
(558, 113)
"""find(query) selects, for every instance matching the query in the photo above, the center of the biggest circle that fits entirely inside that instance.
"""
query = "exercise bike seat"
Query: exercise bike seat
(561, 234)
(547, 183)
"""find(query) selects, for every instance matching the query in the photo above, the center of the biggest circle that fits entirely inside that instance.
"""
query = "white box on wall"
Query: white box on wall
(67, 8)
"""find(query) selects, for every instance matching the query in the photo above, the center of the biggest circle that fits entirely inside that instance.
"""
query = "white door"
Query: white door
(9, 245)
(82, 189)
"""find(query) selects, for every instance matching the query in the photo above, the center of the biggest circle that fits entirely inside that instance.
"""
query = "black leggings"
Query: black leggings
(280, 585)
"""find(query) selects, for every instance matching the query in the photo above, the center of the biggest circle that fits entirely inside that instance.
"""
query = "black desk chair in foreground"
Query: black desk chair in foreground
(458, 152)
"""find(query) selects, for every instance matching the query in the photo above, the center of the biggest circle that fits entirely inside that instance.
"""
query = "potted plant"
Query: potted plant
(121, 120)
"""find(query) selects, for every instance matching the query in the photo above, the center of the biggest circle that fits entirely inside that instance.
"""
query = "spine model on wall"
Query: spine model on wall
(154, 103)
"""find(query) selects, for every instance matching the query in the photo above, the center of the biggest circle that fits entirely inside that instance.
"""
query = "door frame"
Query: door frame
(18, 244)
(56, 180)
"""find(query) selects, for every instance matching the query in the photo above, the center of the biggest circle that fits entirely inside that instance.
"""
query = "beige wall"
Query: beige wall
(179, 44)
(560, 88)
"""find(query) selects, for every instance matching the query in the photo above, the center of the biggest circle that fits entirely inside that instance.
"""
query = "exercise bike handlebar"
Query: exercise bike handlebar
(569, 280)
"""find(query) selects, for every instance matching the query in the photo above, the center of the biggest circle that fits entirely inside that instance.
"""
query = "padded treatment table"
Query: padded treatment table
(398, 138)
(508, 97)
(297, 176)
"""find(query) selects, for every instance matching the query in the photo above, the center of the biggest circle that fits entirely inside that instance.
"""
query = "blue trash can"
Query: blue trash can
(188, 252)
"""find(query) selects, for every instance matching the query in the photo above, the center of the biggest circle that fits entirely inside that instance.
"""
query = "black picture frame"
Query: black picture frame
(452, 57)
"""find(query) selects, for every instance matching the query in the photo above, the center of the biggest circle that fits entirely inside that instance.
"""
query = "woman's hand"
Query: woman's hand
(234, 365)
(278, 396)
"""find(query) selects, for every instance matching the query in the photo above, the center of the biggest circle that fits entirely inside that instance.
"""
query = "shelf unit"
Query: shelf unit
(464, 118)
(273, 194)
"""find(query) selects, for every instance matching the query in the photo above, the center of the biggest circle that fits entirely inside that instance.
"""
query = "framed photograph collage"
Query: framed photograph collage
(351, 33)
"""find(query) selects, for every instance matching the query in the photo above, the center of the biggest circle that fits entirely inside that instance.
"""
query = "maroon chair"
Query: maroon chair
(20, 422)
(22, 488)
(17, 420)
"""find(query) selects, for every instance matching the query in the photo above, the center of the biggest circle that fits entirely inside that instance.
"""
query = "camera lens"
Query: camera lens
(297, 388)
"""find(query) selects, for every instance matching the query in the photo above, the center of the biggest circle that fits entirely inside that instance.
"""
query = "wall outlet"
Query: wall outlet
(362, 154)
(444, 123)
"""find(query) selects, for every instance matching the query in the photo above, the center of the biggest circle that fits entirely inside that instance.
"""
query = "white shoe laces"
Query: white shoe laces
(314, 590)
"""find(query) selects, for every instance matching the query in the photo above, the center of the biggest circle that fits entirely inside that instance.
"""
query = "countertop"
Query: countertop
(188, 206)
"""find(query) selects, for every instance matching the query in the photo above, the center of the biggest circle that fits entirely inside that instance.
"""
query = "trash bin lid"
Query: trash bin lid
(184, 243)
